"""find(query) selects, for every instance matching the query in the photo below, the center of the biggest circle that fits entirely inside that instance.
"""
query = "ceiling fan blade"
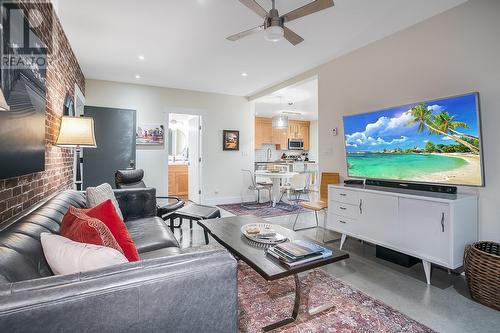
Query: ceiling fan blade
(292, 37)
(310, 8)
(245, 33)
(255, 7)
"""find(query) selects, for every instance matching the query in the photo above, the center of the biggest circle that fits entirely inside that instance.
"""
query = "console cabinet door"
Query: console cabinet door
(378, 217)
(425, 229)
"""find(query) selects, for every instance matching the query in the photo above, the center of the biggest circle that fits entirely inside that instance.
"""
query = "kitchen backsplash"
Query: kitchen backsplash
(261, 154)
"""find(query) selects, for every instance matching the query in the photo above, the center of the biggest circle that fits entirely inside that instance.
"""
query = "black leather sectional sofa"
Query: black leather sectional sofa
(169, 290)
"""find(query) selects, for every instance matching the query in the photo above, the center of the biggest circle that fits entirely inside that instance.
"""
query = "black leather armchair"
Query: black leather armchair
(127, 179)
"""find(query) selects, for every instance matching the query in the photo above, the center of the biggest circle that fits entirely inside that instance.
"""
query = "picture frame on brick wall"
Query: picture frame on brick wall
(22, 123)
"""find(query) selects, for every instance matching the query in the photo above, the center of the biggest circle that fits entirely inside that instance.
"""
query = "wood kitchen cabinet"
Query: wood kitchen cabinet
(304, 133)
(280, 138)
(263, 131)
(266, 134)
(178, 180)
(299, 130)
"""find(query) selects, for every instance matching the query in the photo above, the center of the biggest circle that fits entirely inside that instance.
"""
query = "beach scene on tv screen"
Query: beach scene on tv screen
(434, 142)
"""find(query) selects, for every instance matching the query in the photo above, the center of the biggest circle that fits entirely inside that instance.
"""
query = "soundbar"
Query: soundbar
(412, 186)
(354, 181)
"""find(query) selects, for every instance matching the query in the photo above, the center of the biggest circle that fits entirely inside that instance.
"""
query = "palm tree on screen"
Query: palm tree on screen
(448, 123)
(422, 116)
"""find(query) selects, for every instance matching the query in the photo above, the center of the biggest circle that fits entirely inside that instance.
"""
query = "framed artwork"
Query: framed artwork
(150, 134)
(230, 140)
(22, 93)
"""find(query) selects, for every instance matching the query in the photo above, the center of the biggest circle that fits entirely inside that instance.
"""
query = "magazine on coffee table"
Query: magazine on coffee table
(298, 252)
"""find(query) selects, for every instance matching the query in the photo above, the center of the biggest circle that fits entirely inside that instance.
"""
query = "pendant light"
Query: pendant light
(280, 121)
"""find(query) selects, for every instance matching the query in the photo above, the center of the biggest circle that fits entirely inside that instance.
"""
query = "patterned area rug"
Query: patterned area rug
(263, 210)
(262, 303)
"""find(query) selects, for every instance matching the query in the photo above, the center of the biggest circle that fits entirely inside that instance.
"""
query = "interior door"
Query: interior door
(194, 158)
(115, 138)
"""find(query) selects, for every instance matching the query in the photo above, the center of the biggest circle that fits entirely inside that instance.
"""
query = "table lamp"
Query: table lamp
(77, 132)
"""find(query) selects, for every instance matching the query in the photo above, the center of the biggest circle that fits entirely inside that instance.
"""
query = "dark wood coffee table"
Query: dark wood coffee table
(227, 231)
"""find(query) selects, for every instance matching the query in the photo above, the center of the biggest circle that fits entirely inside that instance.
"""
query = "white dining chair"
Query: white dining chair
(254, 186)
(298, 186)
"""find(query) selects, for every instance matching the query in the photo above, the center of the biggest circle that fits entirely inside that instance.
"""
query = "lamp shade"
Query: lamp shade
(280, 121)
(76, 132)
(3, 103)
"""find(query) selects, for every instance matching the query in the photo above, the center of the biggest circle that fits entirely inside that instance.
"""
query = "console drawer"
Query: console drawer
(345, 210)
(342, 224)
(344, 196)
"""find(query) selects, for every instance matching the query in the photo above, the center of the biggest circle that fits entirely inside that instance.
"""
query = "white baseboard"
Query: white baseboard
(214, 201)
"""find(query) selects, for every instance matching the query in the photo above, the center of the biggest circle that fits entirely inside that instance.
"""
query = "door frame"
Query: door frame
(195, 112)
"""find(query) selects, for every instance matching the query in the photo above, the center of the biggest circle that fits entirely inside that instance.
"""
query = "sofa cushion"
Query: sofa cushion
(101, 193)
(106, 213)
(68, 257)
(79, 227)
(21, 255)
(150, 233)
(160, 253)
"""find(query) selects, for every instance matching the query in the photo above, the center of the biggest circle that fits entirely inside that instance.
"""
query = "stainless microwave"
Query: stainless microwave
(295, 144)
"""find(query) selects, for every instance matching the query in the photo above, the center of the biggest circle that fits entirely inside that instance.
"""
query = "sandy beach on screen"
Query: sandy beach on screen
(469, 174)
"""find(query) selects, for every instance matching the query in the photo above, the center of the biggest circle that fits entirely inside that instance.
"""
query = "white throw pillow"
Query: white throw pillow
(101, 193)
(65, 256)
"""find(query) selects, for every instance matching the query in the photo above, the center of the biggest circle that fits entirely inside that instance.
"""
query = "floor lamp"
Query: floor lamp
(78, 133)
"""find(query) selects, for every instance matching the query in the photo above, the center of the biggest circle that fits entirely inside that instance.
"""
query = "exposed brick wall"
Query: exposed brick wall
(19, 193)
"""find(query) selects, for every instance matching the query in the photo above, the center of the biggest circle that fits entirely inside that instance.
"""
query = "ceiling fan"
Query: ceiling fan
(274, 25)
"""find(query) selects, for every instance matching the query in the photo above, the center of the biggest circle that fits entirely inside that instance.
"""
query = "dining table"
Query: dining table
(276, 178)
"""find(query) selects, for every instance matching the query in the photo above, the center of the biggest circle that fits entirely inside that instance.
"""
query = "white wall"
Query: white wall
(314, 141)
(221, 176)
(452, 53)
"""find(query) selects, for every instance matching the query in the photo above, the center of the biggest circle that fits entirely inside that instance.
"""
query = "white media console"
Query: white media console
(432, 227)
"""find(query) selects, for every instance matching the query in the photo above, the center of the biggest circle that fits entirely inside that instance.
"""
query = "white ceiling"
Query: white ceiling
(302, 96)
(184, 45)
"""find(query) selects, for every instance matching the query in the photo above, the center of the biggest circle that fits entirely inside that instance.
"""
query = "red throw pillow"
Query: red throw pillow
(85, 229)
(106, 212)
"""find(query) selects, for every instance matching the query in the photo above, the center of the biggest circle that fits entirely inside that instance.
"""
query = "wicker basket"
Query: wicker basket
(482, 269)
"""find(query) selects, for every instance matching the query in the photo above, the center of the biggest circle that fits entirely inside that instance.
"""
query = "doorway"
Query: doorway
(184, 156)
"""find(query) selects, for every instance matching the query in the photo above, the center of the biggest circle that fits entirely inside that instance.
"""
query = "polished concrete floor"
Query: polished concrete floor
(444, 306)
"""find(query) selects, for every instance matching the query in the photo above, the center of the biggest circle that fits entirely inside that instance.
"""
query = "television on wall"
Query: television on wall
(436, 141)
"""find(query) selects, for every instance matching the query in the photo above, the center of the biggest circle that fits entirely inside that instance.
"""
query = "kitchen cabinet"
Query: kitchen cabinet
(178, 180)
(263, 131)
(299, 130)
(304, 133)
(280, 138)
(266, 134)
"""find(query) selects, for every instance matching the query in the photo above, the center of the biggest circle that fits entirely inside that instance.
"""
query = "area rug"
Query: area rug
(263, 210)
(262, 303)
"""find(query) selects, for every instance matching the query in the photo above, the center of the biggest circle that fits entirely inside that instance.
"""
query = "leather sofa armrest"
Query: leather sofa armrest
(191, 292)
(136, 203)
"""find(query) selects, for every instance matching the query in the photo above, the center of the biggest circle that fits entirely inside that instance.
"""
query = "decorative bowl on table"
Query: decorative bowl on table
(263, 233)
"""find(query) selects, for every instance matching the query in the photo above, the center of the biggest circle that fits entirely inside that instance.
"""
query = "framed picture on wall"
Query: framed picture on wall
(230, 140)
(150, 134)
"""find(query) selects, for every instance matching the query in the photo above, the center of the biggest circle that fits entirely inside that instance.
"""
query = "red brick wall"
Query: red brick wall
(19, 193)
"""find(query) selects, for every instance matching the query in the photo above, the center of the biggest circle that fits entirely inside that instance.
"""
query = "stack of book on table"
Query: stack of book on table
(298, 252)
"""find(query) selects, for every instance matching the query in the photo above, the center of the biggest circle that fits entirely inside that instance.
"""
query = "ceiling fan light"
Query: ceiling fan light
(274, 33)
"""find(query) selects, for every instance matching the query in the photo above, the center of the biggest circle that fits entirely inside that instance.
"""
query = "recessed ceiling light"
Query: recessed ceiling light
(244, 74)
(137, 76)
(141, 57)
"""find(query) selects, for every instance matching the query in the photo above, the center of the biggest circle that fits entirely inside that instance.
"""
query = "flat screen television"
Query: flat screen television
(437, 142)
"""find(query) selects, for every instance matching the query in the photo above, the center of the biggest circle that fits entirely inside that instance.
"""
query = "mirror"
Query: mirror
(177, 144)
